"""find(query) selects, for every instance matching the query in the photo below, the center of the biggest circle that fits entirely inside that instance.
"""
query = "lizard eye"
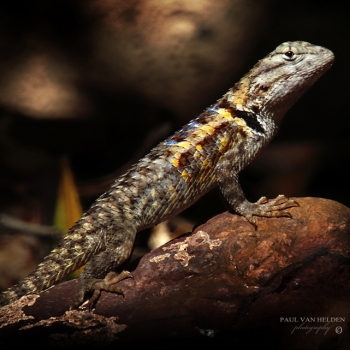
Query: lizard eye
(289, 55)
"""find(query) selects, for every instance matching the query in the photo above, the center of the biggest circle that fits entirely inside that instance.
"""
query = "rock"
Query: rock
(228, 281)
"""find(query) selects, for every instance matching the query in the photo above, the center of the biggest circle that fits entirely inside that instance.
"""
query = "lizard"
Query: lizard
(210, 150)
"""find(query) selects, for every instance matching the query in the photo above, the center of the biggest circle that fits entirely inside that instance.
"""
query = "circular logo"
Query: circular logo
(338, 330)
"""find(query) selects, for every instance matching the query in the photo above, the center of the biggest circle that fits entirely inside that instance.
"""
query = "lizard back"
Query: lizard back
(180, 169)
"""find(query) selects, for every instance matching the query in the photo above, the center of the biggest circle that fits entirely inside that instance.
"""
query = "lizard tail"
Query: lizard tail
(74, 251)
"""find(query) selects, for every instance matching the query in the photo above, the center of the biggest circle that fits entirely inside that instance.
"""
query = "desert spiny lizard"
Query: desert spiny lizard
(210, 150)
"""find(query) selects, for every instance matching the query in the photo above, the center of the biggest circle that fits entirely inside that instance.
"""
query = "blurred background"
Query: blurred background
(88, 87)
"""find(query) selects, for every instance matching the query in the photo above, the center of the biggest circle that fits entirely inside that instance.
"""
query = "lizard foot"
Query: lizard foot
(267, 208)
(108, 284)
(97, 285)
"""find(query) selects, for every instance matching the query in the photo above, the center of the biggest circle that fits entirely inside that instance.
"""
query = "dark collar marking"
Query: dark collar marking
(251, 120)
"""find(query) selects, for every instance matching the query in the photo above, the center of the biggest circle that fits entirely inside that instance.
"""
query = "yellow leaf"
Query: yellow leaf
(68, 206)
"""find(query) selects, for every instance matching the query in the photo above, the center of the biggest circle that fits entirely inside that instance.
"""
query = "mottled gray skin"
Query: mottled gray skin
(210, 150)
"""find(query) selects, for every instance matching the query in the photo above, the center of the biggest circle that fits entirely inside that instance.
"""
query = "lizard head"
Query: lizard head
(277, 81)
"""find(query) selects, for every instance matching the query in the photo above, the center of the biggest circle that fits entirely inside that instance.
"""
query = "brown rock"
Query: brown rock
(226, 280)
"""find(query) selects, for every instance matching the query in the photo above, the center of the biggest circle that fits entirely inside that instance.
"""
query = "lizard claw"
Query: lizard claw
(267, 208)
(107, 284)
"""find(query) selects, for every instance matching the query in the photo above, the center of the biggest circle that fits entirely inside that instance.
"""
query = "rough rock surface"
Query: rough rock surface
(225, 280)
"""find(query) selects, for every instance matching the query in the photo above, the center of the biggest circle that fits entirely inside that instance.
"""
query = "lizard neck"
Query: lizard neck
(276, 82)
(253, 94)
(257, 118)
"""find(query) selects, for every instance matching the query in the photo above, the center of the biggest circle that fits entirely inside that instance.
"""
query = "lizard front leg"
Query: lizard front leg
(97, 274)
(227, 177)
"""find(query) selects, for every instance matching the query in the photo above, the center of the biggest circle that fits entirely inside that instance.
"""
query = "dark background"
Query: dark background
(101, 82)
